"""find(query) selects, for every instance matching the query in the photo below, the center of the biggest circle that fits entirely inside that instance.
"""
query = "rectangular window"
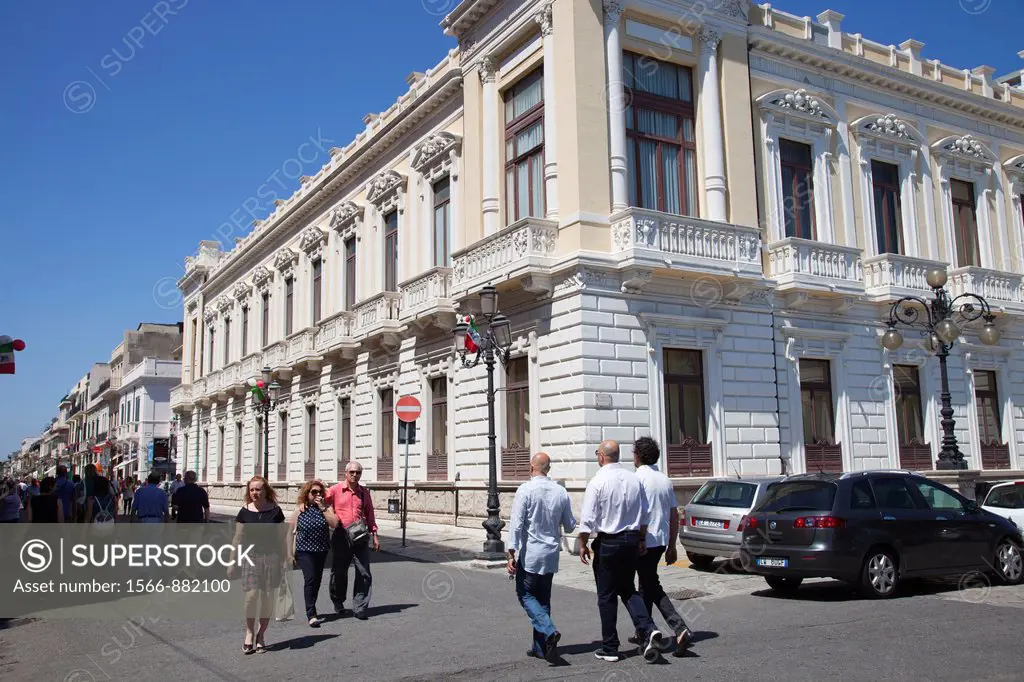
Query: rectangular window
(245, 331)
(915, 454)
(965, 223)
(437, 457)
(344, 437)
(138, 401)
(317, 289)
(257, 460)
(986, 395)
(442, 220)
(238, 451)
(798, 188)
(220, 454)
(310, 442)
(660, 131)
(391, 251)
(885, 178)
(197, 370)
(350, 273)
(515, 454)
(289, 305)
(823, 453)
(524, 148)
(212, 334)
(687, 451)
(386, 460)
(206, 456)
(282, 447)
(227, 341)
(265, 320)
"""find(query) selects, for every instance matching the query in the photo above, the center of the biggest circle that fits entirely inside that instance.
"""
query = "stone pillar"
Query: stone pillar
(616, 101)
(543, 18)
(490, 204)
(711, 122)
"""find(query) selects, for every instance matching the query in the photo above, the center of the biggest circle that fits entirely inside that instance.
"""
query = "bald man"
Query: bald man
(615, 509)
(540, 513)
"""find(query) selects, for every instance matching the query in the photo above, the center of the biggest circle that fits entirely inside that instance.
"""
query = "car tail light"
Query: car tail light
(819, 522)
(745, 522)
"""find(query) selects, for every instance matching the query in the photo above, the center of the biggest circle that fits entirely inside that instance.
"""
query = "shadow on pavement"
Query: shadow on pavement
(304, 642)
(838, 591)
(388, 608)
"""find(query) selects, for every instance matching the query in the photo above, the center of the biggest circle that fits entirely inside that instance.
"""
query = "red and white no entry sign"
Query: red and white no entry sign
(408, 409)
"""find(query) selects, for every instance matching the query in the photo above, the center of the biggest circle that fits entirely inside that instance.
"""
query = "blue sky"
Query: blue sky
(129, 137)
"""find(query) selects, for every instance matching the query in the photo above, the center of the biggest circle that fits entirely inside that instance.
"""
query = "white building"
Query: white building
(144, 418)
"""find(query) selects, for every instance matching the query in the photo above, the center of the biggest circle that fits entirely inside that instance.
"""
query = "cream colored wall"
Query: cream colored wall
(738, 127)
(472, 160)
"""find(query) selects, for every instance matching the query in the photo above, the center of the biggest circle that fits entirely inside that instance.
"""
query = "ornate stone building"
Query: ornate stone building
(696, 214)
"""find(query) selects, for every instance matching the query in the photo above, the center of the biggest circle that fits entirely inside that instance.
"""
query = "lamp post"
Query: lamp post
(936, 318)
(493, 343)
(264, 407)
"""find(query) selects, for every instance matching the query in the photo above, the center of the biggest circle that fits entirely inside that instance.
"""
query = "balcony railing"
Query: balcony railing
(428, 293)
(378, 310)
(804, 264)
(302, 346)
(251, 366)
(892, 276)
(181, 396)
(1001, 289)
(336, 333)
(276, 355)
(702, 245)
(524, 245)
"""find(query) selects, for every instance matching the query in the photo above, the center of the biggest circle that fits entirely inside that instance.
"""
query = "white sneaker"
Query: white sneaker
(652, 650)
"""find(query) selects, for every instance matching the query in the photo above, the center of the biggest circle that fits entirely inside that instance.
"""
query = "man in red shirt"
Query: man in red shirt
(352, 540)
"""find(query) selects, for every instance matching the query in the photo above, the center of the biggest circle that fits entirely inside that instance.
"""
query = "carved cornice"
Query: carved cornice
(709, 39)
(209, 313)
(889, 125)
(439, 149)
(613, 11)
(543, 19)
(224, 303)
(488, 70)
(262, 276)
(387, 189)
(801, 101)
(241, 291)
(313, 241)
(346, 218)
(967, 147)
(285, 260)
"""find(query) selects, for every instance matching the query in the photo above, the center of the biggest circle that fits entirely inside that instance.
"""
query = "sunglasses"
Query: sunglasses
(354, 473)
(316, 492)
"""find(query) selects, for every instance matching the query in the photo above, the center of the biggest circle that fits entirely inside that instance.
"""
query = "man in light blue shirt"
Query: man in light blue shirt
(150, 502)
(540, 512)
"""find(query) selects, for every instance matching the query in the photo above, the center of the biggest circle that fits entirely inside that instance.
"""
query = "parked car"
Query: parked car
(1006, 500)
(710, 526)
(874, 529)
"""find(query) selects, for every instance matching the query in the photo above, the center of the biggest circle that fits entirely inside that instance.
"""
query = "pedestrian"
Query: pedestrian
(540, 513)
(615, 510)
(127, 493)
(191, 501)
(149, 505)
(46, 507)
(102, 506)
(10, 502)
(311, 523)
(175, 485)
(65, 490)
(351, 541)
(261, 577)
(662, 535)
(78, 512)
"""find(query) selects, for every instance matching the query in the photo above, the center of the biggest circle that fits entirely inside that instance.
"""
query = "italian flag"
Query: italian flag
(472, 335)
(256, 388)
(7, 348)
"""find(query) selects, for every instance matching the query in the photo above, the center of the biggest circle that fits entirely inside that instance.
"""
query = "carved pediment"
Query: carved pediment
(313, 240)
(799, 102)
(241, 291)
(209, 313)
(436, 149)
(224, 303)
(967, 146)
(346, 219)
(262, 276)
(890, 126)
(385, 187)
(285, 259)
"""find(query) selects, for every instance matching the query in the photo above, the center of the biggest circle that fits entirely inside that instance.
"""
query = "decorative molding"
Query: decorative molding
(804, 342)
(965, 146)
(801, 102)
(224, 303)
(488, 70)
(346, 219)
(738, 9)
(262, 276)
(209, 313)
(313, 241)
(543, 19)
(385, 380)
(709, 39)
(241, 291)
(192, 305)
(889, 127)
(585, 278)
(285, 260)
(386, 191)
(634, 280)
(613, 10)
(438, 155)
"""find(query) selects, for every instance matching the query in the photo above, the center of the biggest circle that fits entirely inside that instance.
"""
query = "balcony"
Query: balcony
(250, 367)
(181, 398)
(302, 350)
(1003, 290)
(275, 356)
(689, 244)
(891, 276)
(336, 336)
(199, 389)
(426, 300)
(526, 247)
(379, 318)
(804, 267)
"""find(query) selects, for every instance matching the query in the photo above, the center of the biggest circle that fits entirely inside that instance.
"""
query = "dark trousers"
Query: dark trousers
(652, 592)
(346, 554)
(312, 565)
(615, 563)
(534, 592)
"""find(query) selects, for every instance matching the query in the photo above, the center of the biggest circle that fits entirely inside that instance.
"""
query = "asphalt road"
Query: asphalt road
(432, 621)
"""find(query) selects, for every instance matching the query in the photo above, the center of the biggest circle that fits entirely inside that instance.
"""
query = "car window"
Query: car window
(938, 499)
(799, 496)
(861, 496)
(1006, 497)
(892, 493)
(726, 494)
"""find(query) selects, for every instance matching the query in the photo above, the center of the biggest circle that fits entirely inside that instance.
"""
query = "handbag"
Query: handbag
(358, 530)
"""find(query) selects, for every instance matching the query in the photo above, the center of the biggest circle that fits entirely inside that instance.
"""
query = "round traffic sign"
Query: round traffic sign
(408, 408)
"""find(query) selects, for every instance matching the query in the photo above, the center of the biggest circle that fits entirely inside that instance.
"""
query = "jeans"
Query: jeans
(534, 592)
(345, 554)
(652, 592)
(615, 562)
(312, 565)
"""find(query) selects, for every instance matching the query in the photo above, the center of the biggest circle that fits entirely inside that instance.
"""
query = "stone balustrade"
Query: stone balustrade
(893, 276)
(428, 293)
(524, 246)
(816, 266)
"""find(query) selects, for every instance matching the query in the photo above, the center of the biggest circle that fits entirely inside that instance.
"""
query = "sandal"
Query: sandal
(261, 647)
(247, 648)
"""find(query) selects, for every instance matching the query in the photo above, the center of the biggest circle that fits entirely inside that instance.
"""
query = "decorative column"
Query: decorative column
(543, 18)
(928, 189)
(711, 121)
(616, 103)
(490, 204)
(846, 173)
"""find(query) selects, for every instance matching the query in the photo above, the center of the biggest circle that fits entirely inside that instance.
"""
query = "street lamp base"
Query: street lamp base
(950, 465)
(491, 557)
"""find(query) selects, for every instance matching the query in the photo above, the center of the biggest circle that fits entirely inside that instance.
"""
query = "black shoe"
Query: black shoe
(340, 610)
(633, 639)
(652, 650)
(361, 615)
(682, 642)
(532, 654)
(609, 656)
(551, 647)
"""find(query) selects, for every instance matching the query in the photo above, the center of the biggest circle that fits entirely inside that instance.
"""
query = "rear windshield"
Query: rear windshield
(1007, 497)
(726, 494)
(799, 496)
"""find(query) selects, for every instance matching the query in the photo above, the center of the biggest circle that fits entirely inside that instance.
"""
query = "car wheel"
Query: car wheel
(1008, 563)
(880, 576)
(700, 560)
(781, 584)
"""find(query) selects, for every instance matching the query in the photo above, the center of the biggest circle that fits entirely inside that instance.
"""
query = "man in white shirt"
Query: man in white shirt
(662, 532)
(615, 510)
(540, 513)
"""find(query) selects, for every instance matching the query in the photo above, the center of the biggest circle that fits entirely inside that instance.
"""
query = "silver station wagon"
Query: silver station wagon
(710, 526)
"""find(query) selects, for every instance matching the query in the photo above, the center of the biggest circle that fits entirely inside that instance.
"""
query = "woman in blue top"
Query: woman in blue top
(311, 539)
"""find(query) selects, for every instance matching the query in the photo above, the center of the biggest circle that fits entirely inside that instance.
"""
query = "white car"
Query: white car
(1007, 500)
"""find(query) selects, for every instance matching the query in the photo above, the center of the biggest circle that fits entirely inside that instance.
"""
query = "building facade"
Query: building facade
(697, 216)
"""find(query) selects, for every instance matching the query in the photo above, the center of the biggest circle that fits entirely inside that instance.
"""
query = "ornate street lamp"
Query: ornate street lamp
(264, 407)
(941, 330)
(495, 341)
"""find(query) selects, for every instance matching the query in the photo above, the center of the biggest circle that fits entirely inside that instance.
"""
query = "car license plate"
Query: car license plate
(770, 562)
(709, 523)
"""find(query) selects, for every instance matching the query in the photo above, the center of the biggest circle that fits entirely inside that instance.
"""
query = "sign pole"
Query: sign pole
(408, 409)
(405, 486)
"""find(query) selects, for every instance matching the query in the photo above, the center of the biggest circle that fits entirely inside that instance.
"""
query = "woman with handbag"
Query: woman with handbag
(352, 539)
(312, 522)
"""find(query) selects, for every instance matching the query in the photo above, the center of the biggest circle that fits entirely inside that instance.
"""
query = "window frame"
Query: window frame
(386, 437)
(958, 227)
(245, 330)
(816, 387)
(442, 252)
(808, 170)
(227, 341)
(265, 318)
(883, 230)
(437, 461)
(239, 435)
(343, 451)
(350, 273)
(282, 446)
(316, 269)
(982, 395)
(289, 305)
(515, 460)
(391, 256)
(513, 127)
(311, 443)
